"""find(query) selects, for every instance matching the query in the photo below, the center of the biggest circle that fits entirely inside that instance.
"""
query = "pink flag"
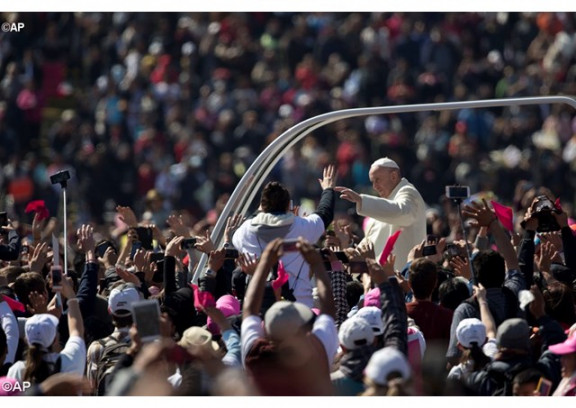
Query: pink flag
(504, 215)
(282, 276)
(202, 299)
(389, 247)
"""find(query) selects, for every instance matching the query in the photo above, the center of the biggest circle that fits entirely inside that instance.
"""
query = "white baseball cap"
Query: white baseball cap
(385, 162)
(373, 315)
(384, 362)
(121, 299)
(470, 331)
(41, 329)
(355, 332)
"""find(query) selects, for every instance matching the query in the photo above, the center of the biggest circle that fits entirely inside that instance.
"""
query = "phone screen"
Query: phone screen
(145, 236)
(102, 247)
(544, 386)
(56, 273)
(135, 247)
(146, 314)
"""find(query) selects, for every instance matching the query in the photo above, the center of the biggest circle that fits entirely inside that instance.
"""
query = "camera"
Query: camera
(543, 211)
(188, 243)
(457, 192)
(60, 178)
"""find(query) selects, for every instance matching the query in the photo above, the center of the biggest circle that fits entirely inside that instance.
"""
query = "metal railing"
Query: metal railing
(252, 180)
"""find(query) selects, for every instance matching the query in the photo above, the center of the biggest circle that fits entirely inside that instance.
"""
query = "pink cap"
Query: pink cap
(372, 298)
(567, 347)
(229, 306)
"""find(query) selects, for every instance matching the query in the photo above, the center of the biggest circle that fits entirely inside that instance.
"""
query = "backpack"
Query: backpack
(512, 305)
(111, 353)
(500, 377)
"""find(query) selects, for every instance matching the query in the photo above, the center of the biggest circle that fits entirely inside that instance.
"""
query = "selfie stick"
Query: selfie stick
(458, 201)
(63, 181)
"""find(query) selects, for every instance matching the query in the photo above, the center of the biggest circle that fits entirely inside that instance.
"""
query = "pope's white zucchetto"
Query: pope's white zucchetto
(385, 162)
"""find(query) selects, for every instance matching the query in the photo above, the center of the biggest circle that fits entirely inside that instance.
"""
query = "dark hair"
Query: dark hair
(489, 268)
(354, 290)
(275, 198)
(452, 292)
(476, 355)
(11, 273)
(560, 303)
(528, 376)
(423, 275)
(26, 283)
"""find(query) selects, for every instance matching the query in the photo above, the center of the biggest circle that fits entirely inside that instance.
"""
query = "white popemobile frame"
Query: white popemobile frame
(252, 180)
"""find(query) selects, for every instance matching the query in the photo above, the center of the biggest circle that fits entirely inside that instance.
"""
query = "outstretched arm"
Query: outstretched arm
(255, 290)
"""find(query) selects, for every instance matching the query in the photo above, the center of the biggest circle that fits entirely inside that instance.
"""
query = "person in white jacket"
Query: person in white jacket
(400, 206)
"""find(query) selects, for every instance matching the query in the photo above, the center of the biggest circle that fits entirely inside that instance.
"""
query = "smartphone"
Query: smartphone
(358, 267)
(158, 276)
(145, 236)
(56, 277)
(60, 177)
(156, 257)
(135, 247)
(544, 387)
(231, 253)
(429, 250)
(188, 243)
(342, 257)
(3, 219)
(146, 315)
(25, 250)
(179, 355)
(458, 192)
(102, 247)
(289, 245)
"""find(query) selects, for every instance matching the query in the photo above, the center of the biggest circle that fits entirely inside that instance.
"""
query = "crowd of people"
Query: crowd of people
(295, 304)
(324, 289)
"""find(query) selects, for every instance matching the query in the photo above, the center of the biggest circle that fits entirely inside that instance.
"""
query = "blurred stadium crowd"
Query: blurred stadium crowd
(164, 112)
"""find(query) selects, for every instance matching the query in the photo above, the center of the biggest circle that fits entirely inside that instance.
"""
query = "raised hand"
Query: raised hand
(39, 258)
(127, 216)
(329, 177)
(247, 263)
(366, 249)
(37, 303)
(481, 213)
(349, 194)
(232, 224)
(176, 224)
(461, 267)
(174, 248)
(86, 241)
(216, 259)
(204, 244)
(127, 277)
